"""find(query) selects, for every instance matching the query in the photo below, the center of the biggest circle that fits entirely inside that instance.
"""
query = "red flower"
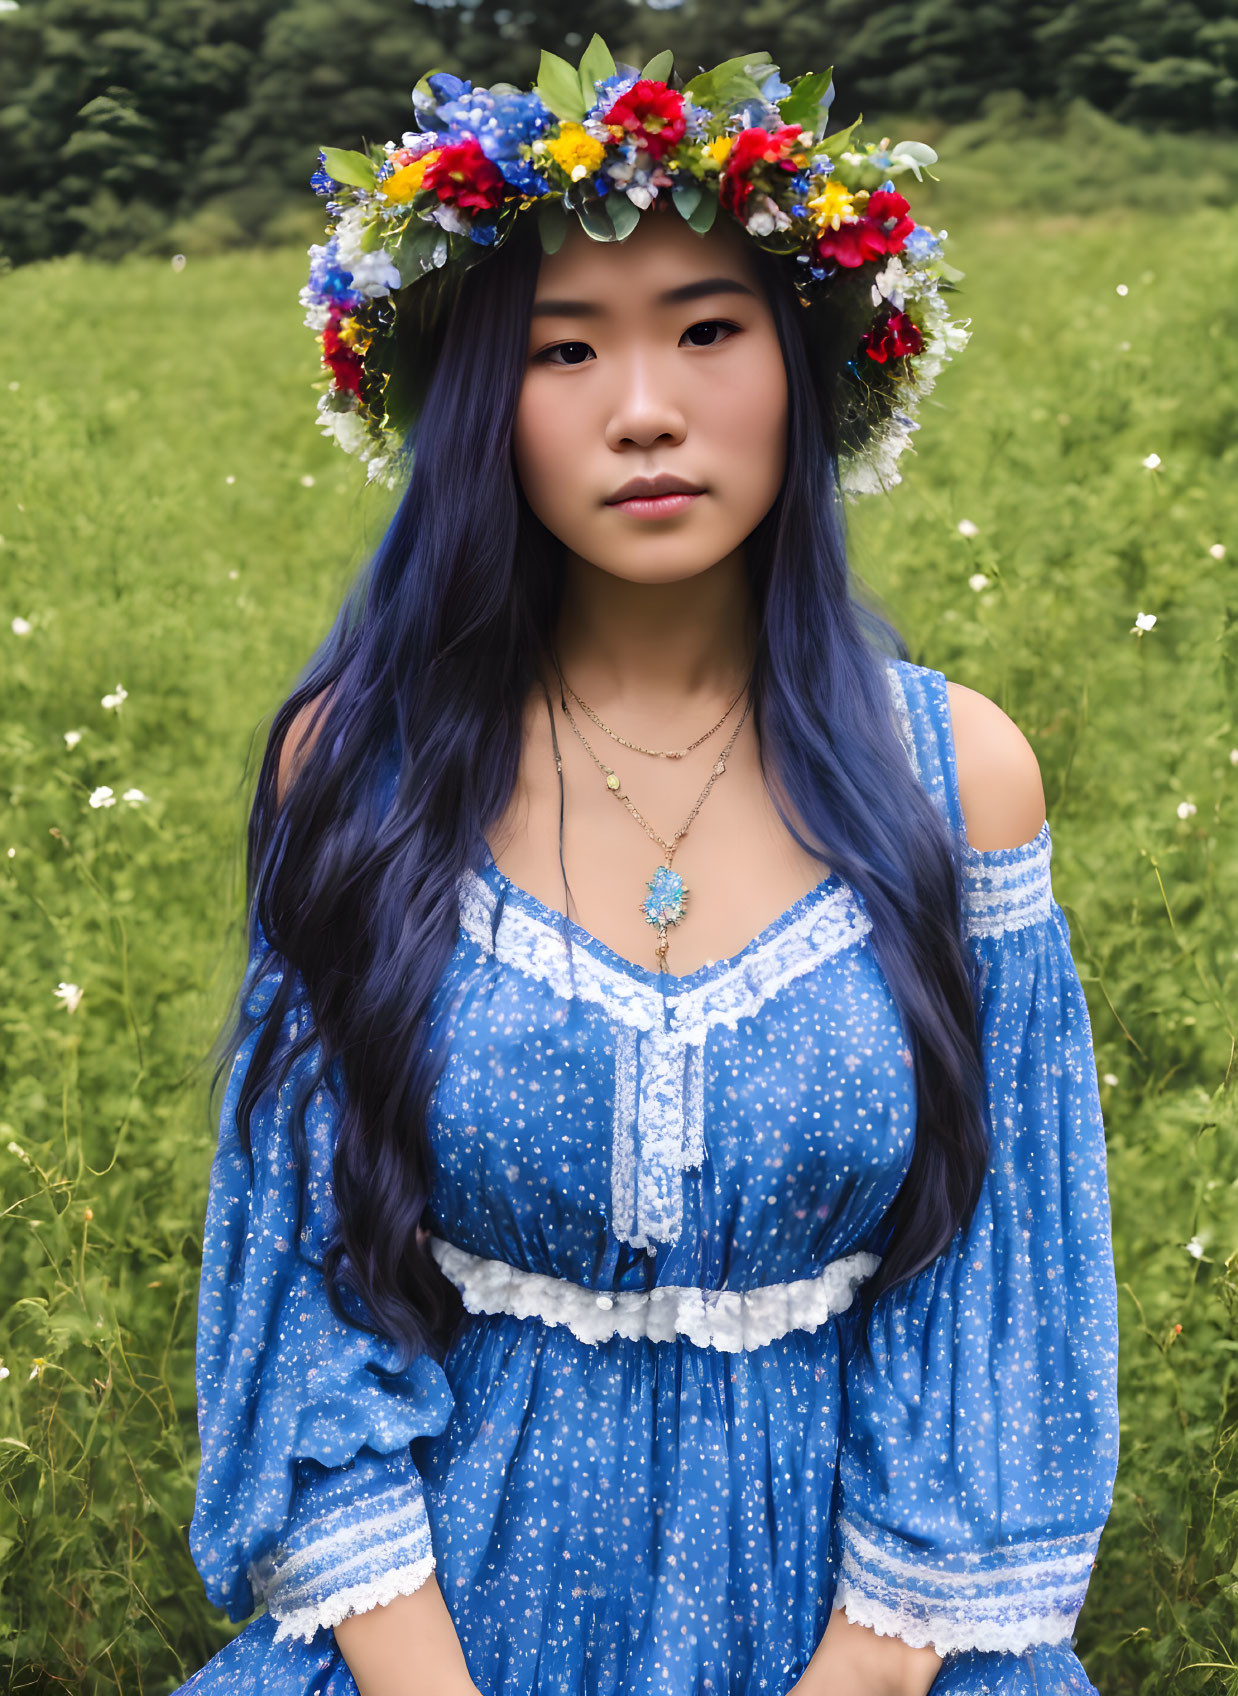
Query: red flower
(463, 175)
(344, 361)
(652, 113)
(867, 237)
(895, 338)
(749, 149)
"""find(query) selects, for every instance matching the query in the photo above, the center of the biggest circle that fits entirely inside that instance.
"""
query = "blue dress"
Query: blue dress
(652, 1462)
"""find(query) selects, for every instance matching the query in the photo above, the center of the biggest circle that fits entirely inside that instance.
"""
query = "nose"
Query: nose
(643, 410)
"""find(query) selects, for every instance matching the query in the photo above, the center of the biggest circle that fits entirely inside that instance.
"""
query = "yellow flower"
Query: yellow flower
(835, 205)
(719, 149)
(575, 151)
(404, 182)
(349, 332)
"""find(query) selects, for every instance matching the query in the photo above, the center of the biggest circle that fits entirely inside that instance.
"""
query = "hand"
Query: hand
(406, 1647)
(853, 1660)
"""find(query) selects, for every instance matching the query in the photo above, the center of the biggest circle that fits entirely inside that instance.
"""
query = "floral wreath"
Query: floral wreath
(603, 142)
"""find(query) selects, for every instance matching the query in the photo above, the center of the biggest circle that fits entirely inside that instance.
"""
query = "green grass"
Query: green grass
(129, 395)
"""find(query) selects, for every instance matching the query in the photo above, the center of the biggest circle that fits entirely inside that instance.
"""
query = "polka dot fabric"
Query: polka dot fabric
(610, 1507)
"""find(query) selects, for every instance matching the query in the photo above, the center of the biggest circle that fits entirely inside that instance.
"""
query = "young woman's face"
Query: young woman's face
(652, 357)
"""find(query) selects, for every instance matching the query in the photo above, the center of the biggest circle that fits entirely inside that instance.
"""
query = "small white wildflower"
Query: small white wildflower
(1151, 462)
(134, 797)
(233, 575)
(1110, 1078)
(229, 479)
(1233, 756)
(1124, 347)
(967, 528)
(112, 702)
(69, 996)
(102, 797)
(21, 627)
(1143, 621)
(307, 482)
(14, 387)
(977, 581)
(640, 196)
(1122, 289)
(178, 261)
(1186, 809)
(19, 1151)
(12, 853)
(1217, 550)
(72, 738)
(1195, 1248)
(4, 1372)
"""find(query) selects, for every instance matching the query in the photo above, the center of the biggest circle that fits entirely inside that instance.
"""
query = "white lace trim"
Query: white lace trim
(375, 1593)
(946, 1633)
(728, 1320)
(902, 716)
(1069, 1564)
(1008, 888)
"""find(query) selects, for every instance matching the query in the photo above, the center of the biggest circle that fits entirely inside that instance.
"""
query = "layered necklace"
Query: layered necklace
(665, 901)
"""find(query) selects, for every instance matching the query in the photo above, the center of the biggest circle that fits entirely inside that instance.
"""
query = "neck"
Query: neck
(656, 654)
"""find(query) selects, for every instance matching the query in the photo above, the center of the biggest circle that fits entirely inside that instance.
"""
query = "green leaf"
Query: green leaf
(412, 255)
(687, 197)
(659, 67)
(702, 218)
(558, 87)
(706, 84)
(552, 225)
(348, 167)
(624, 216)
(838, 143)
(596, 64)
(595, 221)
(803, 103)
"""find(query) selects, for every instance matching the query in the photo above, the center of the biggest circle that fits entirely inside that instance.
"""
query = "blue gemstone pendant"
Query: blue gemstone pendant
(664, 904)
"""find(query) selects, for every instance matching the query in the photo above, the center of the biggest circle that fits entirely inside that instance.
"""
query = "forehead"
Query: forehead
(662, 262)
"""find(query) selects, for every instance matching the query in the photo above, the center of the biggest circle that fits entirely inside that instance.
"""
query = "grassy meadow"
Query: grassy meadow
(174, 527)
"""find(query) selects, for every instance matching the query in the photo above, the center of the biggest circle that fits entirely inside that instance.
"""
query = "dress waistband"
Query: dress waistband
(720, 1319)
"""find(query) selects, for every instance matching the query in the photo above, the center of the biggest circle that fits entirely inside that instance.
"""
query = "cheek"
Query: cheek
(542, 437)
(750, 428)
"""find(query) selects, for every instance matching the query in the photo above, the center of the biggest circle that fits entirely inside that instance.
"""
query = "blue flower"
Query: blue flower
(320, 182)
(521, 175)
(922, 243)
(329, 280)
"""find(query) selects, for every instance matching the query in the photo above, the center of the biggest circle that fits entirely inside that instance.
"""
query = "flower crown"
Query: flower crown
(603, 142)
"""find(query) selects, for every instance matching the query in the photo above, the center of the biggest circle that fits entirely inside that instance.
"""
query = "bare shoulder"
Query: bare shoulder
(1000, 787)
(299, 739)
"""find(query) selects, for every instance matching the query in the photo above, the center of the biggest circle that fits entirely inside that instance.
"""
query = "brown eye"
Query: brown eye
(710, 324)
(561, 347)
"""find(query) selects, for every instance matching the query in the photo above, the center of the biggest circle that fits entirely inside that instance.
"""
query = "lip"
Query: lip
(656, 506)
(648, 488)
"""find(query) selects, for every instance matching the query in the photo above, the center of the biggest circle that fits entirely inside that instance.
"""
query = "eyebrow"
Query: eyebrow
(671, 297)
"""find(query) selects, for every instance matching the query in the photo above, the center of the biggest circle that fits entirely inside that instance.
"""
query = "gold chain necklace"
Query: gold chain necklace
(660, 753)
(665, 902)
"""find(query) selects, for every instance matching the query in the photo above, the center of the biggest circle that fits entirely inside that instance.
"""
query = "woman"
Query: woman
(709, 1291)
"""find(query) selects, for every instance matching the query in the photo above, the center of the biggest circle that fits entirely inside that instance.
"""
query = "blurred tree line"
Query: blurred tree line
(129, 125)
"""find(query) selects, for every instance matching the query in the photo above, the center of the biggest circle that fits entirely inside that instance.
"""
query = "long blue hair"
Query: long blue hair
(421, 685)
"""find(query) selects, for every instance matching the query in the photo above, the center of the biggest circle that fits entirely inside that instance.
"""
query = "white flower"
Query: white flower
(38, 1366)
(1217, 550)
(1143, 621)
(134, 797)
(1195, 1248)
(21, 627)
(72, 738)
(14, 387)
(1110, 1078)
(178, 261)
(1233, 756)
(967, 528)
(1122, 289)
(1185, 809)
(1152, 461)
(229, 479)
(640, 196)
(102, 797)
(15, 1148)
(4, 1372)
(68, 995)
(233, 575)
(112, 702)
(977, 581)
(307, 482)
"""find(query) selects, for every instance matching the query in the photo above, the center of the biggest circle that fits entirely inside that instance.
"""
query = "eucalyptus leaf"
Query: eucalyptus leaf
(558, 87)
(703, 216)
(687, 197)
(624, 215)
(552, 226)
(595, 221)
(659, 67)
(348, 167)
(596, 65)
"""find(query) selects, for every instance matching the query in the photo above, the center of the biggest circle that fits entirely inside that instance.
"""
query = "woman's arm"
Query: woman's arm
(407, 1646)
(852, 1660)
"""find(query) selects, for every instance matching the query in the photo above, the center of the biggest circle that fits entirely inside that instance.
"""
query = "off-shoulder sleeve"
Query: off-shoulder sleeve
(307, 1497)
(980, 1445)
